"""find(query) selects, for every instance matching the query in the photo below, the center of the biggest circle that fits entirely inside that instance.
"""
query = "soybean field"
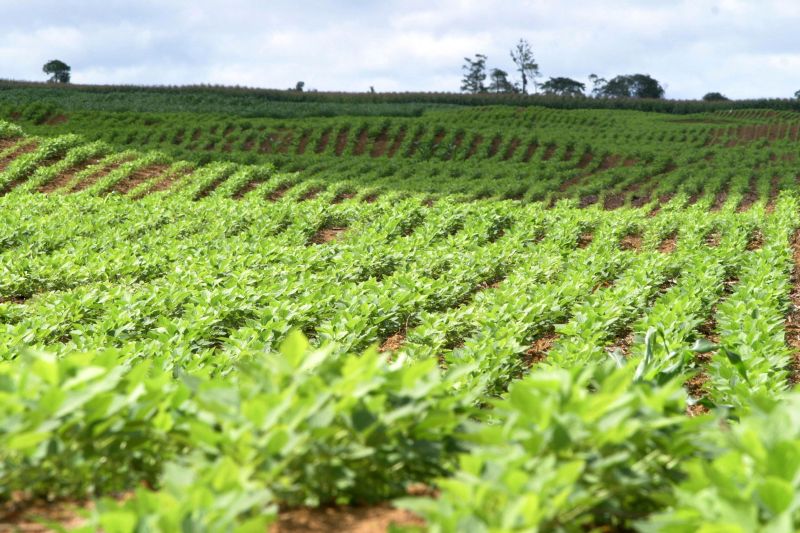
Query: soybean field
(421, 317)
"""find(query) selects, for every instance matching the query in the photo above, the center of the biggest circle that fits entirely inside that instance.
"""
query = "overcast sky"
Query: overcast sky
(740, 48)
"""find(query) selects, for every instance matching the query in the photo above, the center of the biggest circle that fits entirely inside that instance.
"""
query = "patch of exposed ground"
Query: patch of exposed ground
(20, 151)
(373, 519)
(537, 351)
(361, 141)
(90, 180)
(495, 146)
(512, 147)
(56, 120)
(473, 147)
(750, 197)
(719, 200)
(279, 192)
(212, 186)
(613, 201)
(249, 187)
(585, 159)
(756, 241)
(622, 344)
(325, 235)
(380, 143)
(323, 141)
(548, 152)
(311, 193)
(713, 239)
(585, 239)
(393, 343)
(415, 142)
(586, 201)
(397, 142)
(138, 177)
(668, 244)
(342, 196)
(303, 143)
(632, 242)
(529, 151)
(170, 180)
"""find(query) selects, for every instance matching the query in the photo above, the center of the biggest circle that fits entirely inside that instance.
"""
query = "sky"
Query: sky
(743, 49)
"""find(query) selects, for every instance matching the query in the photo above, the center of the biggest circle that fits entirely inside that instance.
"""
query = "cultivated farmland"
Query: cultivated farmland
(483, 318)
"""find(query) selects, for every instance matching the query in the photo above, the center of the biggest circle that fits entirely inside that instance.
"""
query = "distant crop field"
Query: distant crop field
(474, 319)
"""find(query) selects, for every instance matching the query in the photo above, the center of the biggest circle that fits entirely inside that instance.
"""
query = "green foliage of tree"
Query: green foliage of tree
(630, 86)
(561, 86)
(797, 95)
(522, 55)
(715, 97)
(500, 82)
(58, 70)
(474, 74)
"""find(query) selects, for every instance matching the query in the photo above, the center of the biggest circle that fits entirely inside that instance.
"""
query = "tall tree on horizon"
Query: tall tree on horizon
(474, 75)
(522, 55)
(58, 70)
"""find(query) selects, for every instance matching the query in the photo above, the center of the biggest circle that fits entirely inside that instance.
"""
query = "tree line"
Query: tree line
(622, 86)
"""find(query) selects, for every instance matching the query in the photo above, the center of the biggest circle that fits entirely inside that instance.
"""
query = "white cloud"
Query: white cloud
(738, 47)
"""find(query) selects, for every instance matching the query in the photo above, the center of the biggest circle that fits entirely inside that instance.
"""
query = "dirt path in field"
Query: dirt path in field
(380, 143)
(529, 151)
(397, 142)
(512, 148)
(91, 179)
(473, 147)
(20, 151)
(323, 141)
(138, 177)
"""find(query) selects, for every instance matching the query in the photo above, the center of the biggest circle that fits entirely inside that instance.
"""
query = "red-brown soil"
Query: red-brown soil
(303, 143)
(631, 242)
(537, 352)
(668, 245)
(393, 343)
(90, 180)
(473, 147)
(361, 141)
(170, 180)
(529, 151)
(512, 148)
(278, 193)
(327, 235)
(397, 142)
(323, 141)
(380, 143)
(374, 519)
(341, 141)
(138, 177)
(495, 146)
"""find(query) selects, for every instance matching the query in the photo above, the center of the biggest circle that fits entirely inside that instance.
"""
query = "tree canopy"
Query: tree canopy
(561, 86)
(715, 97)
(500, 83)
(474, 74)
(522, 55)
(58, 70)
(628, 86)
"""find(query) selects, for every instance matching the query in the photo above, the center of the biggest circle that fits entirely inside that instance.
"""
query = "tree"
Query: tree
(300, 86)
(715, 97)
(797, 95)
(598, 84)
(58, 70)
(522, 55)
(563, 87)
(632, 86)
(500, 83)
(474, 75)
